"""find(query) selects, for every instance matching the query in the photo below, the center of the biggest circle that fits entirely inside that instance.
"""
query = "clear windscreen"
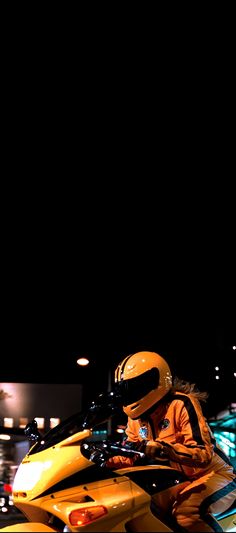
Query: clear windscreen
(65, 429)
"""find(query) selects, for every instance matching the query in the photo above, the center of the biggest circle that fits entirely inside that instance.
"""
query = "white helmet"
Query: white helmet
(143, 379)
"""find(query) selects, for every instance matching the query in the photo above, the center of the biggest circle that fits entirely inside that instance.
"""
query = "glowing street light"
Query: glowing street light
(83, 361)
(4, 437)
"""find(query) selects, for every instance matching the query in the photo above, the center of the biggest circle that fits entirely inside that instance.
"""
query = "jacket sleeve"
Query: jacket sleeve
(132, 431)
(194, 445)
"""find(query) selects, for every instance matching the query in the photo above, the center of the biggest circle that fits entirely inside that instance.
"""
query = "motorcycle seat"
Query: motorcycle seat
(231, 510)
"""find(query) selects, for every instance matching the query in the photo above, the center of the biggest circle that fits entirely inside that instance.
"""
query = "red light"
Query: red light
(7, 487)
(85, 515)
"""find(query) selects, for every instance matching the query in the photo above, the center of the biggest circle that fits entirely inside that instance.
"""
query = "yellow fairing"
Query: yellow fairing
(40, 471)
(114, 493)
(28, 526)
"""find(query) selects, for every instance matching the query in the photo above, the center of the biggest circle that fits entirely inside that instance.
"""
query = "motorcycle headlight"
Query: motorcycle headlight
(28, 474)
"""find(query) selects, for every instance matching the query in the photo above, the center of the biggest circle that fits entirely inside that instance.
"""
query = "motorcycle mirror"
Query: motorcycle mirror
(32, 432)
(106, 405)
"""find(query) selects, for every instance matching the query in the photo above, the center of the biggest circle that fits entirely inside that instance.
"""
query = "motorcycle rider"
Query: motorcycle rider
(167, 419)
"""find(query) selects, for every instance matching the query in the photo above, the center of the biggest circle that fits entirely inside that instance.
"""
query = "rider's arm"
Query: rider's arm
(132, 431)
(194, 446)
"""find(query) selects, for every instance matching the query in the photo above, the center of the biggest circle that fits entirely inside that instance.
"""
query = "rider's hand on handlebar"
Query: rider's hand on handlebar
(153, 449)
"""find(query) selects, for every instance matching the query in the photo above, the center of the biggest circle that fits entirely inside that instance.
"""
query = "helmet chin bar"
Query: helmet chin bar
(151, 409)
(133, 409)
(135, 406)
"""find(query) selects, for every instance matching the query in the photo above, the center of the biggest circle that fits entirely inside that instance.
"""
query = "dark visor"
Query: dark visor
(132, 390)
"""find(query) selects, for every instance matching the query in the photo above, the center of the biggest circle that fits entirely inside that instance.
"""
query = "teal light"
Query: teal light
(227, 442)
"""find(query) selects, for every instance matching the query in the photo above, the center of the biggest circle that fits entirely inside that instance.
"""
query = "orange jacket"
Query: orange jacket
(188, 443)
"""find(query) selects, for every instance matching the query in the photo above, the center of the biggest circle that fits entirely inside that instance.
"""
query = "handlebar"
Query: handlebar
(100, 452)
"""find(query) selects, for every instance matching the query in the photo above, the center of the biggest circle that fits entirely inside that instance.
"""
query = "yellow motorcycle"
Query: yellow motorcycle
(63, 483)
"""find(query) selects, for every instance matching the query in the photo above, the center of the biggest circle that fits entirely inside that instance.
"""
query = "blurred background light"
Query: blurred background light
(83, 361)
(8, 422)
(5, 437)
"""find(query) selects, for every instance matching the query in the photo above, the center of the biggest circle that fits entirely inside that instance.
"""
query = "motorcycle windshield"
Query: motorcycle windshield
(65, 429)
(106, 405)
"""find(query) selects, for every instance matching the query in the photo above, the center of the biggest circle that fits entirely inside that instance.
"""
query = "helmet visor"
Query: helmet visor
(132, 390)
